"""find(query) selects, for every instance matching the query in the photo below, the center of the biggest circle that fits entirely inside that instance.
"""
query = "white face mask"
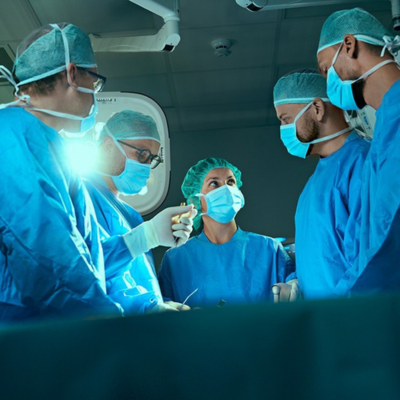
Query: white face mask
(86, 122)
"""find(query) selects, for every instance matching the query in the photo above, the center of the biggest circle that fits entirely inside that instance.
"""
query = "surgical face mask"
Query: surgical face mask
(340, 92)
(86, 122)
(292, 143)
(133, 178)
(223, 203)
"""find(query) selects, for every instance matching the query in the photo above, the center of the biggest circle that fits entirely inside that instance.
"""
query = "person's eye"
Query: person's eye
(231, 182)
(286, 120)
(214, 183)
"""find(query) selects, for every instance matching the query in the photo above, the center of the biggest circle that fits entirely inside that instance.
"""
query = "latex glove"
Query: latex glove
(284, 292)
(178, 306)
(161, 307)
(161, 231)
(183, 227)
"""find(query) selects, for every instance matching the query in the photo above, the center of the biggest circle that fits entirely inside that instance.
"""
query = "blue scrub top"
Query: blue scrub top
(239, 271)
(326, 218)
(378, 267)
(51, 260)
(131, 282)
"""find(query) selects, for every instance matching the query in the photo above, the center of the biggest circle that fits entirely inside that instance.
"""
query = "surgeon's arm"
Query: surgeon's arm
(161, 231)
(44, 258)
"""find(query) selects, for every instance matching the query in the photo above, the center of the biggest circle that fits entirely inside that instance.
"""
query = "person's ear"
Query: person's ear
(319, 109)
(107, 145)
(72, 74)
(350, 46)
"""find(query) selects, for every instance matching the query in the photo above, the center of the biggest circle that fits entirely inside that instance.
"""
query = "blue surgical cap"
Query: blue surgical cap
(48, 51)
(301, 86)
(195, 177)
(357, 22)
(131, 125)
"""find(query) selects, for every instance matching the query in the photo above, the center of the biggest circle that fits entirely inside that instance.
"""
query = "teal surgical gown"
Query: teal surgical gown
(326, 221)
(130, 282)
(378, 267)
(239, 271)
(51, 260)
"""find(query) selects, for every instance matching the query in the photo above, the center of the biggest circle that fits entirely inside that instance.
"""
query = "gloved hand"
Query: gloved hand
(178, 306)
(284, 292)
(161, 307)
(161, 231)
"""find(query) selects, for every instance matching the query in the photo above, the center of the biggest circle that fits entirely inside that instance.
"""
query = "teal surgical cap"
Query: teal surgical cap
(195, 177)
(357, 22)
(301, 86)
(48, 51)
(131, 125)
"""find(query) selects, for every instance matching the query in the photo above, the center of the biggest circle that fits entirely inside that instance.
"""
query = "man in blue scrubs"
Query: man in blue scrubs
(327, 210)
(51, 260)
(128, 149)
(356, 54)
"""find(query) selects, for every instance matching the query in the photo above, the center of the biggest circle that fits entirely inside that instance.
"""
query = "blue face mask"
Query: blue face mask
(133, 178)
(293, 145)
(340, 92)
(223, 203)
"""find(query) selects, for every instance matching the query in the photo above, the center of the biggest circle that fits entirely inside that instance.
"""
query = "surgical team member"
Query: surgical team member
(223, 263)
(356, 54)
(128, 148)
(327, 210)
(51, 259)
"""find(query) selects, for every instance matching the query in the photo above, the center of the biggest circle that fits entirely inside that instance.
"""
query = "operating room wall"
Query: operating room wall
(272, 179)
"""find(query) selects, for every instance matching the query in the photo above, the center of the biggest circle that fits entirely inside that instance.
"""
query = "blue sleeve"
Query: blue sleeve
(44, 260)
(165, 279)
(285, 266)
(351, 240)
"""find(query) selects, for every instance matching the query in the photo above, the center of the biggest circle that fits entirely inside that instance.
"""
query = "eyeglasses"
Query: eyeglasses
(100, 81)
(145, 156)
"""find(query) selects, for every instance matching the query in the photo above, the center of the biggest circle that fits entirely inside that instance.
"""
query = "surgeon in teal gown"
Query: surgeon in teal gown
(223, 265)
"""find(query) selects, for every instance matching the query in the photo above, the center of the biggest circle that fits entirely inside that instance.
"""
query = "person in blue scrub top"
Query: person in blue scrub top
(128, 150)
(329, 206)
(51, 260)
(222, 265)
(356, 54)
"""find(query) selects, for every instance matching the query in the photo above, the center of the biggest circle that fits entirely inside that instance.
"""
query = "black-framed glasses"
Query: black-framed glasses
(145, 156)
(100, 81)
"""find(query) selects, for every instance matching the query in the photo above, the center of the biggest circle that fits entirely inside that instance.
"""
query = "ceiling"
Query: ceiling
(198, 90)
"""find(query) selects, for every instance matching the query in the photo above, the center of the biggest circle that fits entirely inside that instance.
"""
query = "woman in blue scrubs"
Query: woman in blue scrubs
(223, 264)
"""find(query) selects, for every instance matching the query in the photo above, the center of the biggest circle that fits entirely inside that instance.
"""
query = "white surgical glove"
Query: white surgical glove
(178, 306)
(284, 292)
(161, 307)
(162, 230)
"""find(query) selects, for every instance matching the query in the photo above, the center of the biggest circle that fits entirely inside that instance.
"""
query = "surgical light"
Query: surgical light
(81, 155)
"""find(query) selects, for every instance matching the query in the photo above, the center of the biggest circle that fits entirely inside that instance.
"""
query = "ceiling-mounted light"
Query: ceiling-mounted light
(166, 39)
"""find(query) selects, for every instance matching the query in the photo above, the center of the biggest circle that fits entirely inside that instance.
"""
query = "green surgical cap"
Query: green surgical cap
(48, 51)
(194, 181)
(131, 125)
(357, 22)
(301, 86)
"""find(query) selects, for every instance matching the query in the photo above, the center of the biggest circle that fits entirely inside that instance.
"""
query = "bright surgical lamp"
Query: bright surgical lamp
(166, 39)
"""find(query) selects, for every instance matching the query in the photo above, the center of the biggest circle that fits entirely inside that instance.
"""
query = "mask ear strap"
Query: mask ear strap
(337, 54)
(302, 112)
(115, 141)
